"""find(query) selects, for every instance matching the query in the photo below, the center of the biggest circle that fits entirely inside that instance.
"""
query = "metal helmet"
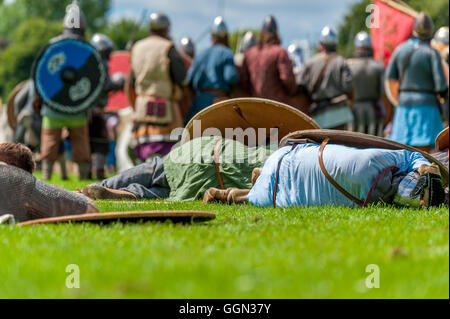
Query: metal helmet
(295, 53)
(441, 35)
(270, 24)
(328, 36)
(248, 41)
(423, 27)
(219, 27)
(363, 40)
(74, 20)
(102, 43)
(159, 21)
(187, 47)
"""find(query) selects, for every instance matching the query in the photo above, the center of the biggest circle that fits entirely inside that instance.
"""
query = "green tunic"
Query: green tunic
(191, 169)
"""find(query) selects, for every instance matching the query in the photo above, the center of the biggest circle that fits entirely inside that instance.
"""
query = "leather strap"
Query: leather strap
(217, 161)
(321, 74)
(331, 180)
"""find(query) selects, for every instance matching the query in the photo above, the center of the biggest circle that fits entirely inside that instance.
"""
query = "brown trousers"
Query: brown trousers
(79, 137)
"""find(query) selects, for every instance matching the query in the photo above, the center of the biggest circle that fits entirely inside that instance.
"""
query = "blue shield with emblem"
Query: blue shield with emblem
(69, 76)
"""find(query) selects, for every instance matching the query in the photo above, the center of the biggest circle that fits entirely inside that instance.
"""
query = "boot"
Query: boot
(214, 195)
(83, 170)
(47, 170)
(99, 192)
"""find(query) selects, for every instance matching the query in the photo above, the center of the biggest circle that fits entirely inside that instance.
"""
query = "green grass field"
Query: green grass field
(247, 252)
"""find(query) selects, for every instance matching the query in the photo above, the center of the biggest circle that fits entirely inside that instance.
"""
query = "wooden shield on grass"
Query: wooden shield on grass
(128, 217)
(262, 115)
(360, 140)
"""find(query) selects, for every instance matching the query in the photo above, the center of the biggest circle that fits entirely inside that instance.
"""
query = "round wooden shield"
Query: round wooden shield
(69, 76)
(261, 115)
(118, 62)
(391, 88)
(10, 111)
(127, 217)
(442, 140)
(360, 140)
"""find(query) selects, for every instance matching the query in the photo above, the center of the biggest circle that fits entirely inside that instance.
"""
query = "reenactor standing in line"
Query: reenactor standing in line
(213, 73)
(329, 83)
(418, 69)
(157, 75)
(267, 70)
(368, 84)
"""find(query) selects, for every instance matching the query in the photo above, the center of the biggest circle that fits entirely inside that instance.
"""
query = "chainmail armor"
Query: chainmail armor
(26, 197)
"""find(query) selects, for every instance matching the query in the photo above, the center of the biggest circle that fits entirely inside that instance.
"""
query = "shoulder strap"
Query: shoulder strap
(217, 160)
(328, 59)
(331, 180)
(405, 66)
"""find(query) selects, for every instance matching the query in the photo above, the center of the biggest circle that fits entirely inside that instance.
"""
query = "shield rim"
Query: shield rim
(369, 138)
(12, 120)
(86, 104)
(138, 215)
(186, 136)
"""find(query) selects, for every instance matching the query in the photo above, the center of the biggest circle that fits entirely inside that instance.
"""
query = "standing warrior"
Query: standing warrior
(213, 73)
(267, 71)
(53, 121)
(98, 134)
(328, 81)
(368, 83)
(157, 75)
(418, 69)
(248, 41)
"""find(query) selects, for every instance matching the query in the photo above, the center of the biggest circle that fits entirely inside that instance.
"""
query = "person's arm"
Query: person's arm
(177, 67)
(346, 79)
(440, 82)
(286, 72)
(46, 201)
(230, 73)
(392, 71)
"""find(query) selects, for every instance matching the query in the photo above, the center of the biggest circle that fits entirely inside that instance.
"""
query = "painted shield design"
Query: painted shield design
(69, 76)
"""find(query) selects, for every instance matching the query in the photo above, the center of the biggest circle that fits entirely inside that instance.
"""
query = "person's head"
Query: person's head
(328, 40)
(423, 27)
(74, 21)
(248, 41)
(269, 32)
(363, 45)
(103, 44)
(187, 47)
(160, 25)
(18, 155)
(219, 31)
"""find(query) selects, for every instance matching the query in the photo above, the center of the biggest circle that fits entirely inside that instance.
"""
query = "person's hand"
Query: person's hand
(92, 207)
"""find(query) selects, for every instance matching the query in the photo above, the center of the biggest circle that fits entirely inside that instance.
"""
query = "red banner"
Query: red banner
(119, 62)
(394, 28)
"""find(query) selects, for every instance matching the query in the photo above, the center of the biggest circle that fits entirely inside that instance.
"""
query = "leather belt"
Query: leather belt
(217, 161)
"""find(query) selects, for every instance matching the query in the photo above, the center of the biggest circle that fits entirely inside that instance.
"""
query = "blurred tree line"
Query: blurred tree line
(26, 26)
(355, 20)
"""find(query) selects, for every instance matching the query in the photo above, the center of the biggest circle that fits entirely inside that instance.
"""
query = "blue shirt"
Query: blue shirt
(301, 182)
(424, 76)
(214, 69)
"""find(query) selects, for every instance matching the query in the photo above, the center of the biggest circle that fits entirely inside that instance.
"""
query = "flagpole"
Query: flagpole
(402, 7)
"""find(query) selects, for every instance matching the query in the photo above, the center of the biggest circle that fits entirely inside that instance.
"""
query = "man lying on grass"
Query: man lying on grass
(301, 182)
(187, 172)
(26, 197)
(307, 173)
